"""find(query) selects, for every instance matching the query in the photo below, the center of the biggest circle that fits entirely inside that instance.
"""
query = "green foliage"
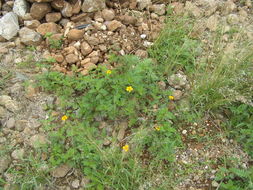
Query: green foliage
(53, 44)
(174, 49)
(240, 125)
(102, 96)
(235, 179)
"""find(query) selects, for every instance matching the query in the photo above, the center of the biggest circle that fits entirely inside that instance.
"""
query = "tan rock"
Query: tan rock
(141, 53)
(159, 9)
(85, 61)
(108, 14)
(38, 140)
(59, 58)
(212, 23)
(48, 28)
(75, 34)
(88, 67)
(71, 58)
(114, 25)
(39, 10)
(76, 8)
(67, 10)
(127, 19)
(57, 4)
(80, 17)
(53, 17)
(69, 50)
(86, 48)
(61, 171)
(90, 6)
(32, 24)
(177, 94)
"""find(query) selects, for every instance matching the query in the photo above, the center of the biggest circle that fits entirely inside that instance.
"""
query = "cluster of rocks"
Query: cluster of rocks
(86, 31)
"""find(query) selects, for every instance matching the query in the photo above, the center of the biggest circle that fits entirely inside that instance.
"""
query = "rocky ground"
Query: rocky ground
(82, 35)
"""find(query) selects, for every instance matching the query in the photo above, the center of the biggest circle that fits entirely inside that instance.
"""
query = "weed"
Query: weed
(53, 43)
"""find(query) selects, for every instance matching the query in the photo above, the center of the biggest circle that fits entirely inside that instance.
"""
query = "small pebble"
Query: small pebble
(184, 132)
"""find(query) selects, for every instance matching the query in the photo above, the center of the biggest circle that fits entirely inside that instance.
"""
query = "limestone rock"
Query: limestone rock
(178, 81)
(53, 17)
(67, 10)
(38, 140)
(61, 171)
(8, 103)
(58, 4)
(71, 58)
(142, 4)
(9, 25)
(93, 5)
(32, 24)
(114, 25)
(20, 7)
(75, 34)
(159, 9)
(10, 123)
(48, 28)
(85, 48)
(18, 154)
(39, 10)
(212, 22)
(141, 53)
(108, 14)
(4, 163)
(29, 37)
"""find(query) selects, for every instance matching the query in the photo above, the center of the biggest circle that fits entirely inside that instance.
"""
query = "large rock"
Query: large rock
(40, 1)
(9, 25)
(8, 103)
(142, 4)
(85, 48)
(108, 14)
(61, 171)
(29, 37)
(38, 140)
(4, 163)
(114, 25)
(58, 4)
(39, 10)
(159, 9)
(75, 34)
(67, 10)
(20, 7)
(93, 5)
(32, 24)
(48, 28)
(53, 17)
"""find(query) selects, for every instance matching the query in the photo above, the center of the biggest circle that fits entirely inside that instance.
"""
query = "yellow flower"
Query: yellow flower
(108, 72)
(158, 128)
(64, 118)
(171, 97)
(129, 89)
(125, 148)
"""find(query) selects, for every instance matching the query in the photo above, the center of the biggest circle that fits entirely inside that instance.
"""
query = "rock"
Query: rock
(114, 25)
(85, 181)
(141, 53)
(75, 34)
(88, 67)
(59, 58)
(20, 7)
(177, 94)
(126, 19)
(142, 4)
(228, 7)
(233, 19)
(10, 123)
(38, 140)
(2, 140)
(75, 184)
(212, 23)
(18, 154)
(5, 161)
(93, 5)
(21, 125)
(71, 58)
(39, 10)
(61, 171)
(3, 112)
(76, 8)
(67, 10)
(159, 9)
(178, 81)
(29, 37)
(58, 4)
(8, 103)
(122, 130)
(192, 9)
(53, 17)
(108, 14)
(41, 1)
(32, 24)
(215, 184)
(85, 48)
(184, 132)
(9, 25)
(48, 28)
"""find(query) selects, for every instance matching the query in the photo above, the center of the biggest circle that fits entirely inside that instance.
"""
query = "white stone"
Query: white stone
(9, 25)
(20, 7)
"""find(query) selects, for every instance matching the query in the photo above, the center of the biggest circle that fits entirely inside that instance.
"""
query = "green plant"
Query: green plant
(53, 43)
